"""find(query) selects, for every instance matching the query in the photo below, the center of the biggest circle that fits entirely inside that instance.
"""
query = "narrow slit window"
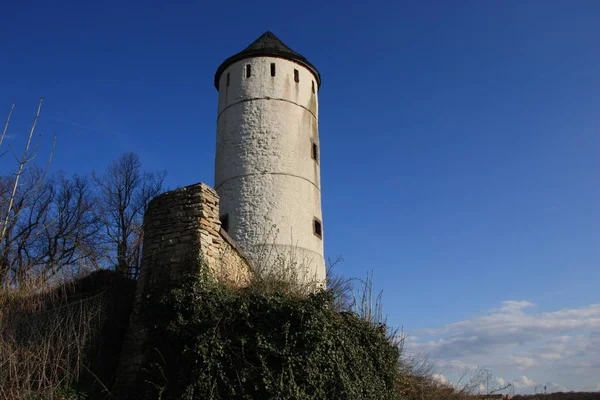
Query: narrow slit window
(272, 69)
(313, 86)
(248, 70)
(224, 222)
(228, 79)
(296, 76)
(315, 152)
(318, 228)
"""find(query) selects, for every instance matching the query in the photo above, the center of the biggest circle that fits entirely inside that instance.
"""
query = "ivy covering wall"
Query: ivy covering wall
(209, 341)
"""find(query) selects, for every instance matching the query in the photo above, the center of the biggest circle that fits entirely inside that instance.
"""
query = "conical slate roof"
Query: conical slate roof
(267, 45)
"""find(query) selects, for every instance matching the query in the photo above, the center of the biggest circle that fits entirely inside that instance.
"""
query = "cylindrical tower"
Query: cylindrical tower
(267, 161)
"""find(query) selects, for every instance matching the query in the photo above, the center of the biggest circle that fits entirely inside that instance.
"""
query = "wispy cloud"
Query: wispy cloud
(87, 127)
(559, 348)
(523, 382)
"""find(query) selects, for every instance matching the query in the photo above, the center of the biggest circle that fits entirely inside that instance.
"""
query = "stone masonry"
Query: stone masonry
(180, 227)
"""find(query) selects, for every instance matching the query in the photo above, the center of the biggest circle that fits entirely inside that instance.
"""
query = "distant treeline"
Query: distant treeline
(561, 396)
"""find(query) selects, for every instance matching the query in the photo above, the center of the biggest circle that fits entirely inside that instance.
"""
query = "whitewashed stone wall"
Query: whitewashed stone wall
(265, 175)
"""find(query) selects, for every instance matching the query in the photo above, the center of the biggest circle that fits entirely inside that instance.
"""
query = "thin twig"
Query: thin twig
(12, 107)
(20, 171)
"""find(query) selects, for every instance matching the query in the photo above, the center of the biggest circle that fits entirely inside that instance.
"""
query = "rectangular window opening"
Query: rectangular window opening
(224, 222)
(315, 152)
(318, 228)
(296, 76)
(248, 70)
(272, 69)
(313, 86)
(228, 79)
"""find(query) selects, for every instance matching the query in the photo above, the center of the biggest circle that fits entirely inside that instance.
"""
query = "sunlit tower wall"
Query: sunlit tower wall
(267, 167)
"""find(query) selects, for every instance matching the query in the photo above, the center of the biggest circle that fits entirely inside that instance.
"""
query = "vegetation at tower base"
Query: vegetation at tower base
(210, 341)
(58, 341)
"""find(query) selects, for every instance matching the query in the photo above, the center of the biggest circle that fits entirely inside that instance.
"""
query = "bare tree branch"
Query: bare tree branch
(125, 192)
(22, 164)
(12, 107)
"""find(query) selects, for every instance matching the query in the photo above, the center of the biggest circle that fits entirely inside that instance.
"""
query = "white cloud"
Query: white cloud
(510, 306)
(550, 356)
(555, 387)
(500, 381)
(441, 379)
(455, 365)
(523, 382)
(523, 362)
(553, 346)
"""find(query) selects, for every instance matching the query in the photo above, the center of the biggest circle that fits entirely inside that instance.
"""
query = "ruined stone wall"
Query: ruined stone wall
(180, 227)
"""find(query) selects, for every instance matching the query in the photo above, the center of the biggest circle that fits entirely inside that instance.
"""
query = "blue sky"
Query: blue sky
(459, 144)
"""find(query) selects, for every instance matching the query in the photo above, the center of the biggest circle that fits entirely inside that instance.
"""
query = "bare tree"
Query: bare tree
(53, 226)
(46, 224)
(71, 234)
(23, 162)
(124, 193)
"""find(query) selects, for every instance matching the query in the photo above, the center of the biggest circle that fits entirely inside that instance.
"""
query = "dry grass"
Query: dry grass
(285, 270)
(44, 334)
(417, 381)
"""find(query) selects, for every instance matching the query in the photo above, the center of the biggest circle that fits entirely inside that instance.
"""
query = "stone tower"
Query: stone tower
(267, 170)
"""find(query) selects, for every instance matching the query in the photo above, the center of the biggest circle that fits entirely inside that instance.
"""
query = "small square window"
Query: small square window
(296, 76)
(224, 222)
(248, 70)
(314, 152)
(318, 228)
(272, 69)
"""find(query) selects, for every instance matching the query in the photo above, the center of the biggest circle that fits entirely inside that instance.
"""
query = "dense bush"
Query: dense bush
(209, 341)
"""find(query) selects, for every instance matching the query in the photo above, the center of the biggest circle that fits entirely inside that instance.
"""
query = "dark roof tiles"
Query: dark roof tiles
(269, 42)
(267, 45)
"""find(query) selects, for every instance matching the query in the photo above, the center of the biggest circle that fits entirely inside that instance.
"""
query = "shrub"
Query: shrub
(209, 341)
(54, 338)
